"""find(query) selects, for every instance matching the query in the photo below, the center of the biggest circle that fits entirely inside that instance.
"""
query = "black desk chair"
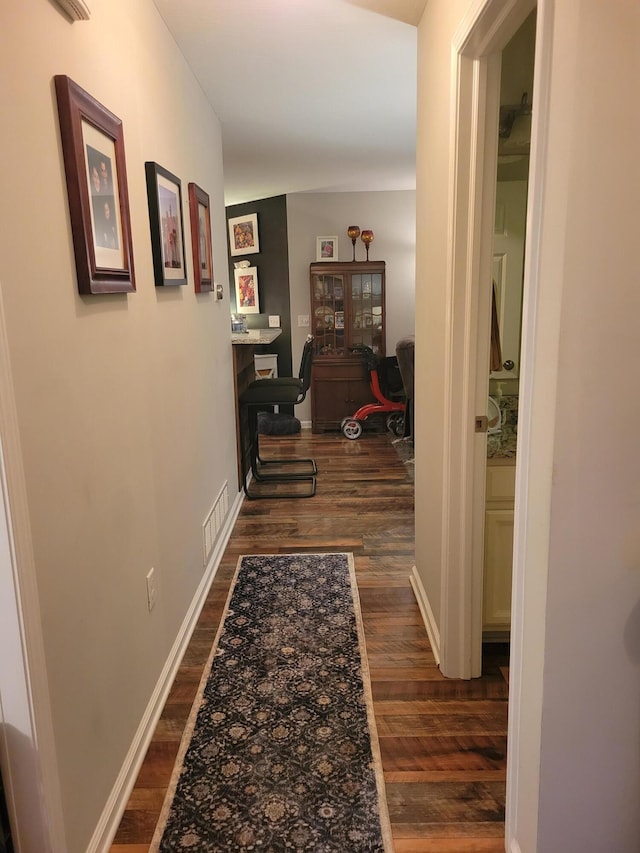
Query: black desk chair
(405, 349)
(262, 394)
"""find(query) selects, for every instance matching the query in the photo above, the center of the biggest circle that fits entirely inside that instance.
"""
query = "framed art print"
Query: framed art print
(326, 248)
(94, 162)
(247, 290)
(164, 194)
(201, 239)
(243, 234)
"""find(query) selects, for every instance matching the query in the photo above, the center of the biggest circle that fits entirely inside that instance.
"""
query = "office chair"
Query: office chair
(263, 393)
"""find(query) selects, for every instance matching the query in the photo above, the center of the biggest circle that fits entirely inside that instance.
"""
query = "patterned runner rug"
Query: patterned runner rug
(280, 753)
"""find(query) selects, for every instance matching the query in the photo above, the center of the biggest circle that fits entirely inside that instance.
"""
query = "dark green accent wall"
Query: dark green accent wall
(272, 262)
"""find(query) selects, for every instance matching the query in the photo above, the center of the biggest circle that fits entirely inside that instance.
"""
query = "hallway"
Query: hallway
(443, 742)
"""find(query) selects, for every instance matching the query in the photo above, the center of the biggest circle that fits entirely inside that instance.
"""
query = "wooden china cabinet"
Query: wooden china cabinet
(347, 309)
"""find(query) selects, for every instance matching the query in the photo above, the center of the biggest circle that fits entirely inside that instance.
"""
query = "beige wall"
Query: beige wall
(573, 772)
(124, 402)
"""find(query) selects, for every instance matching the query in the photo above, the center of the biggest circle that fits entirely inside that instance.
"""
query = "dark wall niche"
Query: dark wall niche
(272, 262)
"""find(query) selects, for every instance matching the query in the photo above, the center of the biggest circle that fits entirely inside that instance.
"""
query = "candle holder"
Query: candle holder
(367, 239)
(353, 232)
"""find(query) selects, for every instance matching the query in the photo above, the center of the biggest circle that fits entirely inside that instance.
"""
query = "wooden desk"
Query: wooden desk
(244, 348)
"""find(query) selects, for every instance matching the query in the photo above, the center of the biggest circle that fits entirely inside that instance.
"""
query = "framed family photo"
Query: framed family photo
(94, 162)
(243, 234)
(201, 239)
(326, 248)
(246, 279)
(164, 194)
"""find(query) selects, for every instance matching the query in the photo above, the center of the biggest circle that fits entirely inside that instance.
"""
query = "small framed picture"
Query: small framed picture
(164, 194)
(201, 239)
(94, 162)
(339, 319)
(243, 234)
(326, 248)
(247, 290)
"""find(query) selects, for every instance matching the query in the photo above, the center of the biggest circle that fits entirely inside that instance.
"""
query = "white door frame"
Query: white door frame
(475, 95)
(27, 749)
(482, 35)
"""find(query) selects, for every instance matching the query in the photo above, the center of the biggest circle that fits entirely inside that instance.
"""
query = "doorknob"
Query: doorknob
(508, 364)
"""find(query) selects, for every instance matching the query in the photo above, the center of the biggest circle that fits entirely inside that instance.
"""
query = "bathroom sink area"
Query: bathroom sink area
(502, 444)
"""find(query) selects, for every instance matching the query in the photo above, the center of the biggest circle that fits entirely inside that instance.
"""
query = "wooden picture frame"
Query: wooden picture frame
(164, 194)
(247, 301)
(243, 235)
(94, 161)
(200, 217)
(326, 248)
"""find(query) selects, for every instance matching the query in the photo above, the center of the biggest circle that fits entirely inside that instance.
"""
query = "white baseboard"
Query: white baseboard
(427, 613)
(116, 804)
(306, 424)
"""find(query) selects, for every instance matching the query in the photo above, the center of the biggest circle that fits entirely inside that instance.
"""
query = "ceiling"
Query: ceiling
(312, 95)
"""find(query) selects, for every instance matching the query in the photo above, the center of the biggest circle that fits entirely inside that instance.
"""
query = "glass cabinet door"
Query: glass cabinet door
(328, 314)
(365, 321)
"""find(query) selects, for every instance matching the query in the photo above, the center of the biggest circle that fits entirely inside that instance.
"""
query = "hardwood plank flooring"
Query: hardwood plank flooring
(443, 742)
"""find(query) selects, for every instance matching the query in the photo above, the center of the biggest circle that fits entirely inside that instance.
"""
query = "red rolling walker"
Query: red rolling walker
(385, 383)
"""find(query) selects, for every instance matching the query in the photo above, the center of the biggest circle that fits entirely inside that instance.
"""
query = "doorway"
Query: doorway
(477, 45)
(512, 172)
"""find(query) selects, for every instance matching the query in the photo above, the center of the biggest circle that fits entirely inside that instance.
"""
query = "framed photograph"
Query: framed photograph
(164, 194)
(94, 162)
(247, 290)
(201, 239)
(326, 248)
(243, 234)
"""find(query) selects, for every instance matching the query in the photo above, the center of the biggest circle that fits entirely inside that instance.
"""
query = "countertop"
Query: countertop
(501, 460)
(256, 336)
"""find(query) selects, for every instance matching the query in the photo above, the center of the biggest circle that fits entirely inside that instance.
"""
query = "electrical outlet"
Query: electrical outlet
(303, 321)
(151, 589)
(274, 321)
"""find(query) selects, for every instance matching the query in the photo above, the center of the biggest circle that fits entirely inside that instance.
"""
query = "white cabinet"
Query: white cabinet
(498, 547)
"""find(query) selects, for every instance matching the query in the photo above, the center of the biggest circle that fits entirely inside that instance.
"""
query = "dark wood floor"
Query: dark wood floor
(443, 742)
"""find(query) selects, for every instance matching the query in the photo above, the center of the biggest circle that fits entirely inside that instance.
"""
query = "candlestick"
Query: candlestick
(354, 232)
(367, 238)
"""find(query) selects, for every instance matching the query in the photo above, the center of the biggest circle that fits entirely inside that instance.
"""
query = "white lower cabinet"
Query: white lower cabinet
(498, 547)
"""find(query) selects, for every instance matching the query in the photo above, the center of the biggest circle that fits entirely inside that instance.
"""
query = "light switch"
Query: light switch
(303, 320)
(274, 321)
